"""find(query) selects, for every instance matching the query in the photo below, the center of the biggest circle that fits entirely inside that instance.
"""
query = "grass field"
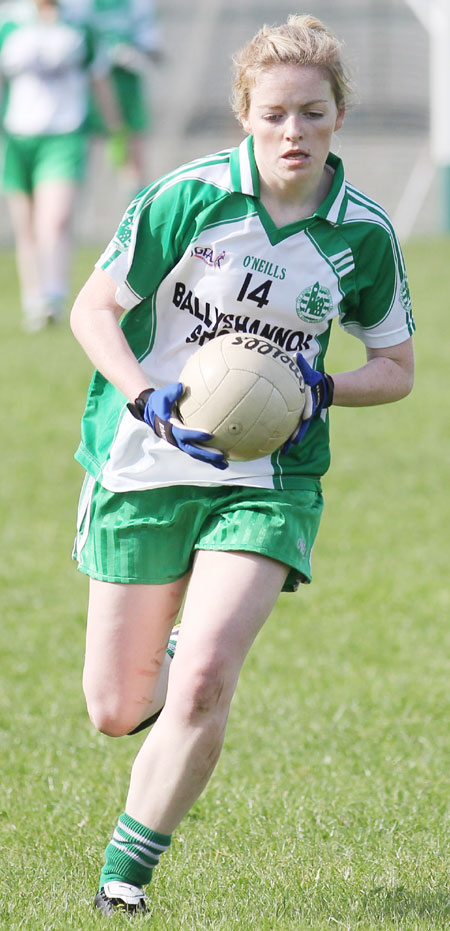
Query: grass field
(330, 805)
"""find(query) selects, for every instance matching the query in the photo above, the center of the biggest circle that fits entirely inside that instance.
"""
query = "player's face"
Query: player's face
(292, 117)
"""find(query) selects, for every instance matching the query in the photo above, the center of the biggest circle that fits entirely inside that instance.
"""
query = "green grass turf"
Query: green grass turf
(329, 807)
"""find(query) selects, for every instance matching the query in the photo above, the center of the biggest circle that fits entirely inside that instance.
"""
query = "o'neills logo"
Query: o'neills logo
(206, 254)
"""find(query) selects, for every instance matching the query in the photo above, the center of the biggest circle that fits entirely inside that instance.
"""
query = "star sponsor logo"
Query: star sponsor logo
(206, 254)
(314, 303)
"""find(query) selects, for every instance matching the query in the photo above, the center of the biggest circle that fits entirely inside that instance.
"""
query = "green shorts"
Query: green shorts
(131, 99)
(27, 161)
(150, 537)
(130, 94)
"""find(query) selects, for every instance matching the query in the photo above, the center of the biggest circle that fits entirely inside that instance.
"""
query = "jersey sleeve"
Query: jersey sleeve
(149, 241)
(5, 29)
(380, 313)
(15, 61)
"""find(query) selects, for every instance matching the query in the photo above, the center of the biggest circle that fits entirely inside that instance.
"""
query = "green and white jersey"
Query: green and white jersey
(197, 255)
(45, 66)
(119, 21)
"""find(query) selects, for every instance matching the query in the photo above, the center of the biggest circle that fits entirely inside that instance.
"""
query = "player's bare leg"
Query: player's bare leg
(54, 203)
(20, 207)
(136, 168)
(127, 632)
(220, 622)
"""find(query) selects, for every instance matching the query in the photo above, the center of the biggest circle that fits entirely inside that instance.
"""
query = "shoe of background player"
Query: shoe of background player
(34, 316)
(54, 310)
(119, 897)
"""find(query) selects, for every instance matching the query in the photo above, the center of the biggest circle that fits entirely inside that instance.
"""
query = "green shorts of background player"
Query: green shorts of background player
(29, 161)
(40, 178)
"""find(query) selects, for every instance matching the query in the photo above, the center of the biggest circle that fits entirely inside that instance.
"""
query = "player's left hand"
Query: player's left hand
(319, 389)
(154, 406)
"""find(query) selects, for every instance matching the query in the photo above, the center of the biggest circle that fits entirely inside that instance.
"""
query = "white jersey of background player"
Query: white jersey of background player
(48, 66)
(48, 80)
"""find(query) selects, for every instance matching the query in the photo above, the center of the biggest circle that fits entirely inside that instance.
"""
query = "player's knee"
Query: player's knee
(110, 716)
(108, 723)
(204, 693)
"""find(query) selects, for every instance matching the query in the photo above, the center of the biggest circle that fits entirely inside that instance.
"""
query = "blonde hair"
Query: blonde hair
(302, 40)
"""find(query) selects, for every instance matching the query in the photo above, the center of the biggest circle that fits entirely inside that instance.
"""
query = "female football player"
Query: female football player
(47, 65)
(164, 518)
(131, 38)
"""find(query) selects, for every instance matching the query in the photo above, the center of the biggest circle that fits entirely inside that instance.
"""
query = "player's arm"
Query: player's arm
(106, 99)
(94, 321)
(388, 375)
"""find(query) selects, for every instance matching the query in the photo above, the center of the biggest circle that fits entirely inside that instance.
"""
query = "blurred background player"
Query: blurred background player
(163, 519)
(131, 39)
(47, 65)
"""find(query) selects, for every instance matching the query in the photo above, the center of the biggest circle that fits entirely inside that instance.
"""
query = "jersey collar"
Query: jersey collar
(245, 179)
(244, 173)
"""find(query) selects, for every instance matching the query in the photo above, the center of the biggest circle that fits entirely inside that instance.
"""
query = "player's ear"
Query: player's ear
(245, 123)
(339, 119)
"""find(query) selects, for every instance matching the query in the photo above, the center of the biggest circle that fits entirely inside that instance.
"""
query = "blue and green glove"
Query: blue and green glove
(319, 391)
(154, 406)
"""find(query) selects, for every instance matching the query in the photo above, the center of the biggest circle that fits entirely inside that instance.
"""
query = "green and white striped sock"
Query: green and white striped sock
(133, 853)
(173, 640)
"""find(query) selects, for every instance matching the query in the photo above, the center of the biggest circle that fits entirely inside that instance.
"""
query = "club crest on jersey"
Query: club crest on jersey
(314, 303)
(206, 254)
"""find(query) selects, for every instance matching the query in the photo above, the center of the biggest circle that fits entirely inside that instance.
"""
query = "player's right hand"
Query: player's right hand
(319, 390)
(154, 406)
